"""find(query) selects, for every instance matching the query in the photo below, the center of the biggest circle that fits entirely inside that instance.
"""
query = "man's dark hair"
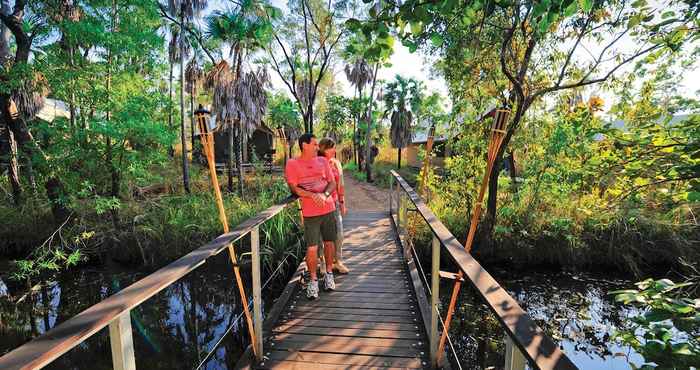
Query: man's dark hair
(305, 139)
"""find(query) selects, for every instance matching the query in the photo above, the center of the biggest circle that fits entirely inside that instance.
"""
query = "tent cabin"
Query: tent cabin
(260, 146)
(416, 150)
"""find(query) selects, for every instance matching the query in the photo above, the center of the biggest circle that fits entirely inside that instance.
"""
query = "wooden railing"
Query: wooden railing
(115, 311)
(525, 341)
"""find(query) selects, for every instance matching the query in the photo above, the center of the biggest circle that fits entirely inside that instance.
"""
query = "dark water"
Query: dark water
(575, 310)
(178, 327)
(175, 329)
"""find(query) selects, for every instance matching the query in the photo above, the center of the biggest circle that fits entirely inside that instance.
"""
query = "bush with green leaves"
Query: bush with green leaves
(667, 333)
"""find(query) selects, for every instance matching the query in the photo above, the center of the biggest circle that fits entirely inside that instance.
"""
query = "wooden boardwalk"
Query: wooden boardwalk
(371, 320)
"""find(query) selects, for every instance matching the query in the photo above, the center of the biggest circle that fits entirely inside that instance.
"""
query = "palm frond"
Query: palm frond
(29, 96)
(401, 120)
(193, 76)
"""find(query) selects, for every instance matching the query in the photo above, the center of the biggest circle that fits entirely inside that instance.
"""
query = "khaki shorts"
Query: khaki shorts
(321, 227)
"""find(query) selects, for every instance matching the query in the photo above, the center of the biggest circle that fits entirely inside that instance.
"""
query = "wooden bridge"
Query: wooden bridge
(382, 315)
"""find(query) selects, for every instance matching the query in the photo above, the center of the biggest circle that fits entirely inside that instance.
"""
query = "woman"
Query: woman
(326, 148)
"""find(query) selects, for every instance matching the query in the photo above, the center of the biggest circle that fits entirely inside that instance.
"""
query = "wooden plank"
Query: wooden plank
(352, 311)
(352, 347)
(326, 303)
(532, 341)
(378, 270)
(279, 307)
(342, 359)
(369, 280)
(351, 317)
(391, 295)
(370, 289)
(368, 333)
(380, 342)
(396, 299)
(397, 285)
(346, 325)
(361, 261)
(296, 365)
(379, 275)
(59, 340)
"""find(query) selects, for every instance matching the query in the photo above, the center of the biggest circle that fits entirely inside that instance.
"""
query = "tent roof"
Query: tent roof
(52, 109)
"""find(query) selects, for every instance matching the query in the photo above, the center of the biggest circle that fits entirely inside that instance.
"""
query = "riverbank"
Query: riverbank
(147, 230)
(550, 236)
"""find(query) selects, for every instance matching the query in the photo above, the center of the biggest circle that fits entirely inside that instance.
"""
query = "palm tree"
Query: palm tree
(400, 130)
(194, 76)
(402, 97)
(359, 74)
(240, 100)
(179, 48)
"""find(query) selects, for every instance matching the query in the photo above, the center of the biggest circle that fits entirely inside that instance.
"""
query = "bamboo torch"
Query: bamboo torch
(426, 161)
(208, 145)
(498, 131)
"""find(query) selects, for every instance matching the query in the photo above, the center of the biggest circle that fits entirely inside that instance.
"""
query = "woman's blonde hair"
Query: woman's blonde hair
(325, 144)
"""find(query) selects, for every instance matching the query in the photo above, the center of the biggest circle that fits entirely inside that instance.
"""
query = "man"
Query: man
(310, 177)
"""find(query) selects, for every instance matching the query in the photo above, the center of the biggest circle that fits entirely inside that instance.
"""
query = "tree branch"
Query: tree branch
(584, 82)
(571, 52)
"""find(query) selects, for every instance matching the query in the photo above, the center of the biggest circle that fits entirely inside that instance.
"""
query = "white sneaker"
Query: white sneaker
(329, 282)
(312, 289)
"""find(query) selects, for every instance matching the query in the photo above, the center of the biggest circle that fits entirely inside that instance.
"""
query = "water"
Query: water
(178, 327)
(175, 329)
(575, 310)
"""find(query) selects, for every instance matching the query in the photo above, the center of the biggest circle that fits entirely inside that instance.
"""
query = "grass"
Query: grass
(152, 230)
(549, 228)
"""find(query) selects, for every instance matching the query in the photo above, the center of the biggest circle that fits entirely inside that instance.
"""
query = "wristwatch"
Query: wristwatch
(326, 193)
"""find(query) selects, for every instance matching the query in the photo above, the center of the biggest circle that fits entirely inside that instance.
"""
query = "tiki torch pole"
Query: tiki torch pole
(498, 131)
(207, 138)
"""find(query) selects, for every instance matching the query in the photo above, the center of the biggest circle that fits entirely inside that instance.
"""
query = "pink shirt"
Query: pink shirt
(336, 169)
(311, 175)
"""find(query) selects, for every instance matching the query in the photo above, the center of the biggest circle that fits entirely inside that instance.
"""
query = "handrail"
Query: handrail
(46, 348)
(535, 345)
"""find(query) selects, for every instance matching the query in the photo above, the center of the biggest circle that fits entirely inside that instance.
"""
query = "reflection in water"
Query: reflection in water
(175, 329)
(573, 309)
(179, 326)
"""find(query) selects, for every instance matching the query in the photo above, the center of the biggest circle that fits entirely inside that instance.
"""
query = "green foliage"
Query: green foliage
(667, 333)
(337, 117)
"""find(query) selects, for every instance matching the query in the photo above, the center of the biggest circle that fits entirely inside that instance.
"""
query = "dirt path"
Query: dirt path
(361, 196)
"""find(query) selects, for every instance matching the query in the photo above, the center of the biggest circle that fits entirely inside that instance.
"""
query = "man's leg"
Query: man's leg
(328, 254)
(312, 260)
(312, 232)
(328, 231)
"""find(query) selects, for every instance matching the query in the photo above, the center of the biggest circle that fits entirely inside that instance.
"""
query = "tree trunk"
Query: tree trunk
(170, 98)
(8, 149)
(171, 151)
(192, 123)
(5, 33)
(231, 154)
(368, 152)
(110, 147)
(30, 175)
(490, 221)
(398, 150)
(183, 138)
(354, 134)
(239, 159)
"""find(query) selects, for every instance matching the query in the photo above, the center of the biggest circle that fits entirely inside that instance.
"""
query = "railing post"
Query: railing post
(257, 296)
(391, 195)
(514, 358)
(434, 300)
(122, 342)
(404, 215)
